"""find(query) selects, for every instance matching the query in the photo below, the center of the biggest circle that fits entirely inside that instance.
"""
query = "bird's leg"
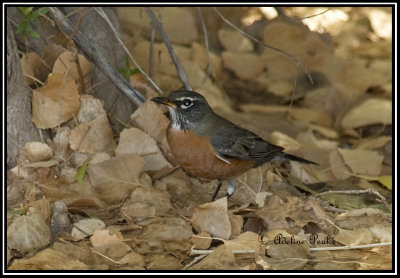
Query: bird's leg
(216, 191)
(231, 187)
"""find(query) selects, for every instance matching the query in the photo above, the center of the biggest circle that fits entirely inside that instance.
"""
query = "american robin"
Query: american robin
(209, 146)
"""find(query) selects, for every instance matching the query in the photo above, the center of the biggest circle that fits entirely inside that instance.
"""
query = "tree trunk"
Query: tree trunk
(20, 128)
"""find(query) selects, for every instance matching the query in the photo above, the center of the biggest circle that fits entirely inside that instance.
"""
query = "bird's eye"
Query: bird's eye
(187, 102)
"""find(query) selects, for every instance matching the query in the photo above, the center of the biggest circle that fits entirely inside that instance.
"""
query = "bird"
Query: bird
(209, 146)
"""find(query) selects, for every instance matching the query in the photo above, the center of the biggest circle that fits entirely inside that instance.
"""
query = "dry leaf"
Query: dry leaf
(354, 161)
(91, 108)
(28, 233)
(86, 227)
(59, 93)
(310, 116)
(151, 196)
(132, 259)
(115, 178)
(136, 212)
(236, 224)
(135, 141)
(34, 152)
(373, 143)
(48, 259)
(213, 218)
(201, 240)
(32, 66)
(95, 136)
(65, 63)
(109, 244)
(40, 164)
(61, 141)
(245, 65)
(166, 230)
(354, 237)
(282, 140)
(234, 41)
(172, 17)
(285, 255)
(381, 232)
(245, 241)
(163, 262)
(222, 258)
(371, 111)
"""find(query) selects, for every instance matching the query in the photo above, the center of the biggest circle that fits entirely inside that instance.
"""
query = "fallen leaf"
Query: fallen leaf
(132, 259)
(121, 172)
(135, 141)
(201, 240)
(28, 233)
(245, 65)
(94, 136)
(56, 102)
(65, 64)
(222, 258)
(163, 262)
(234, 41)
(48, 259)
(35, 152)
(86, 227)
(91, 108)
(213, 218)
(371, 111)
(310, 116)
(33, 66)
(109, 243)
(354, 237)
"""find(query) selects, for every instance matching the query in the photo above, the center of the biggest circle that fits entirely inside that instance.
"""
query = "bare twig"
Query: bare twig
(205, 35)
(355, 192)
(80, 74)
(104, 256)
(151, 62)
(332, 248)
(206, 252)
(194, 261)
(117, 35)
(314, 15)
(298, 63)
(157, 24)
(97, 58)
(34, 79)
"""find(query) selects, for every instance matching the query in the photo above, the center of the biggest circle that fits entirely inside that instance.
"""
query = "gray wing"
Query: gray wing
(231, 141)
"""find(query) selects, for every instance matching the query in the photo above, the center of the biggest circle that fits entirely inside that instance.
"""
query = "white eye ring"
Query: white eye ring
(187, 102)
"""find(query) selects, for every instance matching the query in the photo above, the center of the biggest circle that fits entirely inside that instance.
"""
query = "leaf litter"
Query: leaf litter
(134, 208)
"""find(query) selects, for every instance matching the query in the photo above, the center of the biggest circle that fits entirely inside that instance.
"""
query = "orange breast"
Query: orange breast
(197, 156)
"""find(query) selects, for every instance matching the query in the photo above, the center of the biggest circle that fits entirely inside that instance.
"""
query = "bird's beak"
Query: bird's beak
(164, 100)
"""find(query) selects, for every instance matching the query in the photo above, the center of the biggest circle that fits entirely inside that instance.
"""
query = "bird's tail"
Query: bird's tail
(296, 158)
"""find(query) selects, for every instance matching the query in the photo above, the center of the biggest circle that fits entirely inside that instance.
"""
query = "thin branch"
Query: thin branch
(34, 79)
(298, 63)
(206, 252)
(330, 248)
(355, 192)
(314, 15)
(151, 62)
(97, 58)
(194, 261)
(333, 248)
(205, 35)
(157, 24)
(117, 35)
